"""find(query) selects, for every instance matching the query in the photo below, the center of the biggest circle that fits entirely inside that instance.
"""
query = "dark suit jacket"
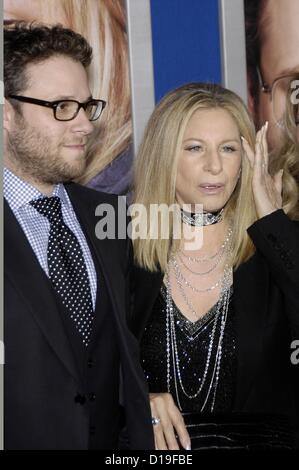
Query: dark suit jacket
(266, 302)
(43, 383)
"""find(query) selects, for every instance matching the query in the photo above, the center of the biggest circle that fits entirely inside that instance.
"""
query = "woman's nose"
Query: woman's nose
(213, 162)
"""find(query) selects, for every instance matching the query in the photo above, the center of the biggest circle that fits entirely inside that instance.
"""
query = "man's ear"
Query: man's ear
(8, 115)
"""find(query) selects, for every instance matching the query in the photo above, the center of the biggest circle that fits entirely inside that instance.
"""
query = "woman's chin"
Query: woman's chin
(214, 206)
(203, 205)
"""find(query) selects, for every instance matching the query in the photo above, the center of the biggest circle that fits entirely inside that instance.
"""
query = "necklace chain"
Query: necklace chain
(181, 278)
(172, 347)
(202, 273)
(209, 258)
(212, 364)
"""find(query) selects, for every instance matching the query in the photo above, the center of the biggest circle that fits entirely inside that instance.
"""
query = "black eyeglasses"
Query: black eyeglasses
(66, 110)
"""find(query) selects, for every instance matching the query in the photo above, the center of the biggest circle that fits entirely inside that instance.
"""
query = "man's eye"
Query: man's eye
(66, 106)
(63, 106)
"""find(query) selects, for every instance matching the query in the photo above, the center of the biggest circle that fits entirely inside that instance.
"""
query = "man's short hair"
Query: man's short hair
(26, 44)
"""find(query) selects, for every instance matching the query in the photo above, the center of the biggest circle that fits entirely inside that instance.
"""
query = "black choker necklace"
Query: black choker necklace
(201, 219)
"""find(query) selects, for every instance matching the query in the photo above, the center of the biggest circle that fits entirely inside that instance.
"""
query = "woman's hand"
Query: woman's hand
(267, 190)
(170, 421)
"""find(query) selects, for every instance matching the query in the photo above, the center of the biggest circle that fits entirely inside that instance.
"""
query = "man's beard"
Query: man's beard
(32, 155)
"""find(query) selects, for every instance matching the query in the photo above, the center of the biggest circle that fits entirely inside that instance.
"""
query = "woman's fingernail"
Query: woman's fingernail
(188, 446)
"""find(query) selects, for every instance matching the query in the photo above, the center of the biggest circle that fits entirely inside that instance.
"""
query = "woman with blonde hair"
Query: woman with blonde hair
(217, 322)
(103, 24)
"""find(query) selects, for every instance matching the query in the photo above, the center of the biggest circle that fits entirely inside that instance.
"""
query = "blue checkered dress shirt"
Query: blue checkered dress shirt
(36, 227)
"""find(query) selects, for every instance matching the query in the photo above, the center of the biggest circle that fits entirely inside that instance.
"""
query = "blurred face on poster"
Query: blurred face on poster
(278, 67)
(30, 10)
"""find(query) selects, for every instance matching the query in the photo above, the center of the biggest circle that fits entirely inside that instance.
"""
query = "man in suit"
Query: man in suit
(70, 358)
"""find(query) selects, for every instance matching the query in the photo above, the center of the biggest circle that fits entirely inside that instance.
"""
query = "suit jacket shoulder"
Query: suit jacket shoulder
(88, 194)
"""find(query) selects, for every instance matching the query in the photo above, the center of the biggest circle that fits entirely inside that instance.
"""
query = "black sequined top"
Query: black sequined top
(193, 340)
(209, 416)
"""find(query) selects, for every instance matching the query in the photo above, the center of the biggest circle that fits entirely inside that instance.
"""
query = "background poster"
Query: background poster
(272, 53)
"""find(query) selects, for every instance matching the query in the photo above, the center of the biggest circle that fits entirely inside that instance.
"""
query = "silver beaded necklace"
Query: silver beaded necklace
(225, 245)
(172, 353)
(182, 280)
(201, 273)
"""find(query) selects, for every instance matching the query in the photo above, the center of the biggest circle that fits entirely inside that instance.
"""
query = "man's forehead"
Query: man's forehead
(279, 13)
(280, 38)
(279, 29)
(67, 77)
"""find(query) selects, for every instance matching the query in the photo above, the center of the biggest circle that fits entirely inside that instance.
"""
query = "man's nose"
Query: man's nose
(81, 123)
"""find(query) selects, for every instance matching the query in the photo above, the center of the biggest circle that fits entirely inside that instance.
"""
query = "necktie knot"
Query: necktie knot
(49, 207)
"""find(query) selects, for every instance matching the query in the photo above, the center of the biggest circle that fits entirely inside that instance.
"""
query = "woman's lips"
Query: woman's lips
(209, 188)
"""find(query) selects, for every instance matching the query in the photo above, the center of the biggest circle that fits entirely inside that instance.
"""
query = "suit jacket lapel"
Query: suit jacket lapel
(30, 281)
(251, 281)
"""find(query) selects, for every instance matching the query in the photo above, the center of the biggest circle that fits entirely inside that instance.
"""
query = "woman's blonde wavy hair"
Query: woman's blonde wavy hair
(103, 24)
(156, 169)
(287, 158)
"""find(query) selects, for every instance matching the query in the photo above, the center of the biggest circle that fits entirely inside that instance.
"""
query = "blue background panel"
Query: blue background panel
(186, 44)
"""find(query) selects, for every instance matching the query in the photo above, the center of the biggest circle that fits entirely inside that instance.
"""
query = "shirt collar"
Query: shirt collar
(19, 193)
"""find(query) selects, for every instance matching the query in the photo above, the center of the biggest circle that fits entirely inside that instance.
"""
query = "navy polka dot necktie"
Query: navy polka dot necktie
(67, 268)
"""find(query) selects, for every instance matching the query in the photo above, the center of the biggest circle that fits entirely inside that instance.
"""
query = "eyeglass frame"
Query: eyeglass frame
(54, 104)
(269, 88)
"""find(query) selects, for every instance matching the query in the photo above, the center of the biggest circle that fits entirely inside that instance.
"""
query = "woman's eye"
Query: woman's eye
(228, 148)
(194, 148)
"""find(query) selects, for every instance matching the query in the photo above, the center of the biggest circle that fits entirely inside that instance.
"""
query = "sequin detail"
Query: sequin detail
(193, 340)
